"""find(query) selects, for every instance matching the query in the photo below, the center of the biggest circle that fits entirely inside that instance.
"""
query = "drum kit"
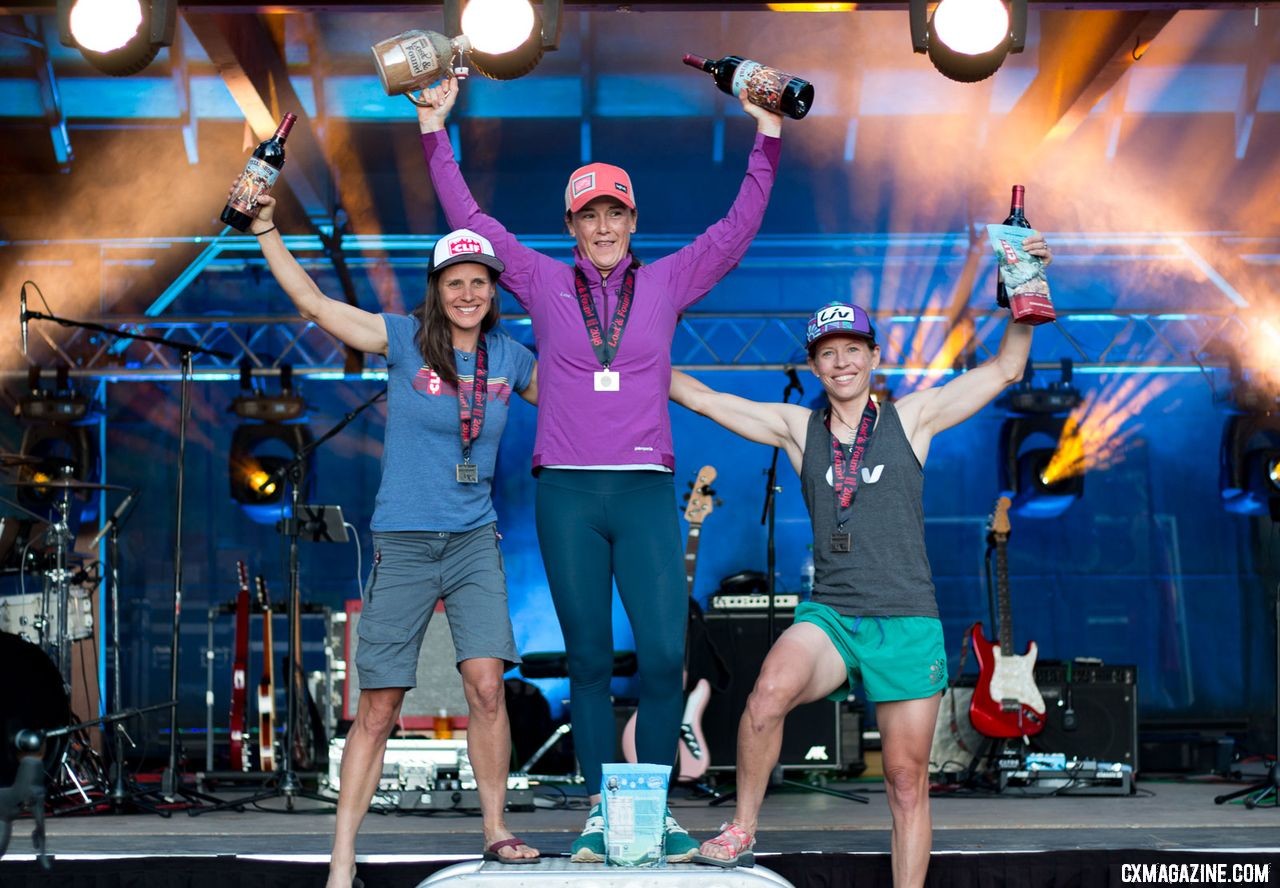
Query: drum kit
(38, 628)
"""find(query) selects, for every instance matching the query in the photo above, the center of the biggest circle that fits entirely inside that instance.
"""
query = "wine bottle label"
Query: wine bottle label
(420, 56)
(764, 85)
(257, 180)
(1022, 274)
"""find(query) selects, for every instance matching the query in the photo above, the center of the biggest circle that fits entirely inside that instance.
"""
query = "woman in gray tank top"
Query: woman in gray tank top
(873, 617)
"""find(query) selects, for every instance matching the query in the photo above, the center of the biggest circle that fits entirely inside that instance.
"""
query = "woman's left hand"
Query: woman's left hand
(767, 122)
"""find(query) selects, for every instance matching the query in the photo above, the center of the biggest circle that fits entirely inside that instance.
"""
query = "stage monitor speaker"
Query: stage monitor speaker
(811, 734)
(1091, 711)
(439, 682)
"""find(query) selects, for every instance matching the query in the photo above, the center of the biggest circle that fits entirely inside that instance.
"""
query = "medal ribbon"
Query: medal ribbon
(605, 346)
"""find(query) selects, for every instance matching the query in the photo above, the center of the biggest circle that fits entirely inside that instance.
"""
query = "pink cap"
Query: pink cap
(598, 180)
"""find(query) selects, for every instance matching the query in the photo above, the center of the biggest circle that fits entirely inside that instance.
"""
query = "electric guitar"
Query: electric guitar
(693, 757)
(308, 724)
(266, 687)
(1006, 702)
(239, 673)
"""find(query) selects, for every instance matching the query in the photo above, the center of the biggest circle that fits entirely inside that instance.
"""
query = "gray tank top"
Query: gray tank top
(886, 573)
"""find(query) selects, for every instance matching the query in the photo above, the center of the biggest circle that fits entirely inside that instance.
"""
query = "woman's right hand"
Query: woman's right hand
(263, 208)
(438, 102)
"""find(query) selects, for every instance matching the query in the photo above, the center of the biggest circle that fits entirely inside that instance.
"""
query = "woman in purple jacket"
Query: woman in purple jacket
(603, 455)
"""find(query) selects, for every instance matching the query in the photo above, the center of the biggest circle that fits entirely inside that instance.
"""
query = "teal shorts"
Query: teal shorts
(895, 658)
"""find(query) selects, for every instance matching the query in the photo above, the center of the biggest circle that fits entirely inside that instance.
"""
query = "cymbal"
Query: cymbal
(67, 484)
(18, 459)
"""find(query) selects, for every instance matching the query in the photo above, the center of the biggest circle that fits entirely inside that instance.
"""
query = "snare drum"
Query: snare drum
(20, 615)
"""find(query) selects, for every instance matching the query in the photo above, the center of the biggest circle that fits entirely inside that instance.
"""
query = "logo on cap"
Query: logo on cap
(584, 183)
(620, 186)
(834, 314)
(465, 245)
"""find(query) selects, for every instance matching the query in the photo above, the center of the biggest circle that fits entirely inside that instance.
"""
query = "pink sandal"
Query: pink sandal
(734, 839)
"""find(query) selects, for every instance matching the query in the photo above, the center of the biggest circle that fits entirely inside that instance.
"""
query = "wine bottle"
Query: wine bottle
(1029, 303)
(767, 87)
(1017, 218)
(259, 175)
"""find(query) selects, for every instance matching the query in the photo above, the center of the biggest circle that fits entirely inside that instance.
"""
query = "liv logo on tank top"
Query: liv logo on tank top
(869, 476)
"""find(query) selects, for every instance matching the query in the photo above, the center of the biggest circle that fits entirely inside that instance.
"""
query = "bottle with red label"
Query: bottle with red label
(767, 87)
(260, 173)
(1032, 307)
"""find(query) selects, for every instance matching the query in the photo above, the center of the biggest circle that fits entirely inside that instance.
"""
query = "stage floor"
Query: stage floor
(1161, 816)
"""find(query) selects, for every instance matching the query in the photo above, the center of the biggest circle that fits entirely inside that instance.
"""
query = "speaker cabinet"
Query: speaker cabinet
(1091, 711)
(439, 682)
(811, 736)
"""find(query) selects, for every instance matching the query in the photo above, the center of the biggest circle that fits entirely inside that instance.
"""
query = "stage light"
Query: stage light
(258, 451)
(497, 26)
(1249, 477)
(1039, 486)
(968, 40)
(508, 36)
(118, 37)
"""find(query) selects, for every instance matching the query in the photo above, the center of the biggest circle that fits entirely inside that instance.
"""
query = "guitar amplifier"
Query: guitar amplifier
(811, 736)
(439, 682)
(1091, 714)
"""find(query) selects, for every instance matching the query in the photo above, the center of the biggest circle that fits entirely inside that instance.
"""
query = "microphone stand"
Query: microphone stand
(287, 783)
(171, 788)
(771, 492)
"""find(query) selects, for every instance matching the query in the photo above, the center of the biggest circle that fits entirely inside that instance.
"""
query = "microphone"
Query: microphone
(22, 317)
(115, 517)
(793, 382)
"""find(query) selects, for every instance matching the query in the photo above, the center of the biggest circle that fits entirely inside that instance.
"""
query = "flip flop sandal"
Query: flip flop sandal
(493, 852)
(734, 839)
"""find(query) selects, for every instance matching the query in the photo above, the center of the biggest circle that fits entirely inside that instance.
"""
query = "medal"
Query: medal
(607, 380)
(841, 542)
(471, 416)
(467, 474)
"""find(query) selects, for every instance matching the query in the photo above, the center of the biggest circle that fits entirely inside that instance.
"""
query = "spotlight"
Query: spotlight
(258, 451)
(1028, 440)
(508, 37)
(1249, 477)
(118, 37)
(967, 40)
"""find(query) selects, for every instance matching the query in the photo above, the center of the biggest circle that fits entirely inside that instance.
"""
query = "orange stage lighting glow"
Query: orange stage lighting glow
(1099, 431)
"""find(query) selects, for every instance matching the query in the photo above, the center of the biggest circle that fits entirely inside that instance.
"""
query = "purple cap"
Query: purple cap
(839, 318)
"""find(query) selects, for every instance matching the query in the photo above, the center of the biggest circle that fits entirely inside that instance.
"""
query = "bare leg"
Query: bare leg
(802, 666)
(489, 746)
(906, 734)
(361, 769)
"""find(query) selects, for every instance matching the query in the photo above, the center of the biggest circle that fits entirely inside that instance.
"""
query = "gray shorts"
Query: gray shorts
(412, 570)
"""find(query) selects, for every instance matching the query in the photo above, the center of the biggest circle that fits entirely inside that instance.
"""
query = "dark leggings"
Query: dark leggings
(594, 526)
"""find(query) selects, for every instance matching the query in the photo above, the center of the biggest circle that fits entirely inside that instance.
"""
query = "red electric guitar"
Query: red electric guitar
(1006, 702)
(266, 687)
(239, 673)
(693, 757)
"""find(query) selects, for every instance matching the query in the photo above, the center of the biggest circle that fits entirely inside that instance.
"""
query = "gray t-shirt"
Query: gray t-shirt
(420, 489)
(886, 572)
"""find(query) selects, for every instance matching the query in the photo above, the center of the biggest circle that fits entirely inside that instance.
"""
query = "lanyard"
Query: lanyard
(471, 416)
(845, 476)
(606, 348)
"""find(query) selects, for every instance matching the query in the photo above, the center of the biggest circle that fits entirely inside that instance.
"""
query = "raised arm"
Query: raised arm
(360, 329)
(700, 265)
(460, 207)
(773, 424)
(928, 412)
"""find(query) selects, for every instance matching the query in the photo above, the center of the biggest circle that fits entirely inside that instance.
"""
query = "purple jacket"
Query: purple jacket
(578, 426)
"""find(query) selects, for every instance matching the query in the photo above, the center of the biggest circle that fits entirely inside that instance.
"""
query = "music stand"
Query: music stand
(319, 524)
(170, 782)
(771, 491)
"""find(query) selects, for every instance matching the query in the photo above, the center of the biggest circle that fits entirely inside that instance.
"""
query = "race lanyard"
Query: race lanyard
(471, 416)
(844, 475)
(605, 344)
